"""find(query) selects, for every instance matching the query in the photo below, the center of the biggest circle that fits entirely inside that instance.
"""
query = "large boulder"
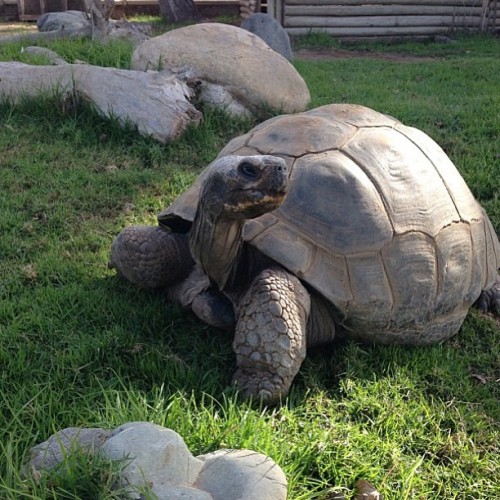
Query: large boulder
(68, 20)
(231, 66)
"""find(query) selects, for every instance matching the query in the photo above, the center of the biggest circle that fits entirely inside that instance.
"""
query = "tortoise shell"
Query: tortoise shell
(377, 219)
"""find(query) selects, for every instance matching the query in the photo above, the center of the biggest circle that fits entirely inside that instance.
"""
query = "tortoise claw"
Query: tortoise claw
(262, 387)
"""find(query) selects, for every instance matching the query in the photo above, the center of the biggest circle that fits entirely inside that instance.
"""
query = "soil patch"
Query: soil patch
(327, 54)
(14, 28)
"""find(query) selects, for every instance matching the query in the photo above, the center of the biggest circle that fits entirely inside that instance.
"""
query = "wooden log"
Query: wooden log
(155, 102)
(381, 21)
(360, 3)
(380, 10)
(370, 31)
(484, 14)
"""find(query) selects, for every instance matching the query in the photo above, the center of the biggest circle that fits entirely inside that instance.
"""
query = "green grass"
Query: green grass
(78, 347)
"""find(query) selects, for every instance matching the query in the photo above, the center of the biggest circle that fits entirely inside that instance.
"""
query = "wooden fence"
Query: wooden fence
(30, 10)
(352, 19)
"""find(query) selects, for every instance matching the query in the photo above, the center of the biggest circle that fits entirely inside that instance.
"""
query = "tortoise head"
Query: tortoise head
(244, 187)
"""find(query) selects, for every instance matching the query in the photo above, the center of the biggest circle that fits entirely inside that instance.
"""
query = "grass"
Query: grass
(78, 347)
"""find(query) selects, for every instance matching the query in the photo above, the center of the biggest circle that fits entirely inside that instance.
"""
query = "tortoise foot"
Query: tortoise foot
(489, 300)
(262, 387)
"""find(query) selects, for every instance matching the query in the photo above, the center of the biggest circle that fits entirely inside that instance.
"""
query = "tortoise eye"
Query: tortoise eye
(248, 170)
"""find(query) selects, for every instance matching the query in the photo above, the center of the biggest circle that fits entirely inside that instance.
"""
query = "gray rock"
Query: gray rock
(241, 474)
(271, 31)
(254, 75)
(51, 453)
(54, 58)
(157, 461)
(156, 457)
(70, 19)
(133, 32)
(366, 491)
(217, 96)
(178, 492)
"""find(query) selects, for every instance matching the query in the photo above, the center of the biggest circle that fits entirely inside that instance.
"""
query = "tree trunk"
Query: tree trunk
(176, 11)
(157, 103)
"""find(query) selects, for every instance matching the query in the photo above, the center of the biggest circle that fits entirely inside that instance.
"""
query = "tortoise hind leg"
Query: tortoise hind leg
(151, 256)
(270, 337)
(489, 300)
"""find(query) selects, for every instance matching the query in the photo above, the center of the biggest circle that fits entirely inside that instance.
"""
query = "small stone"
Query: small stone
(366, 491)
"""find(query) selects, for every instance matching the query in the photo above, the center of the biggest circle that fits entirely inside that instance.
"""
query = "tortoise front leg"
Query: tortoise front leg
(489, 300)
(270, 337)
(151, 256)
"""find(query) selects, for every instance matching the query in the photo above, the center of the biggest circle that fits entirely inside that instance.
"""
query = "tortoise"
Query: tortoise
(339, 222)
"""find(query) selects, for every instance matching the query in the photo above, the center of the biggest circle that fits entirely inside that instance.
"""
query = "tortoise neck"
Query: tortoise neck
(215, 243)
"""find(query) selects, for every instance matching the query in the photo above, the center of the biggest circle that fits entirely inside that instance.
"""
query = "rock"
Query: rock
(54, 58)
(155, 456)
(241, 474)
(135, 33)
(254, 76)
(271, 31)
(217, 96)
(69, 20)
(157, 461)
(50, 453)
(366, 491)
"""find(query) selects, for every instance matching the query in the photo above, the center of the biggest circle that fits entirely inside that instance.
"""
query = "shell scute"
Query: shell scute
(414, 280)
(466, 205)
(297, 135)
(334, 202)
(454, 253)
(372, 295)
(415, 197)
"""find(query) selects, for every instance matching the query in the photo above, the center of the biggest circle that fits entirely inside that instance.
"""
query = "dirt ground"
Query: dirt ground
(13, 28)
(326, 54)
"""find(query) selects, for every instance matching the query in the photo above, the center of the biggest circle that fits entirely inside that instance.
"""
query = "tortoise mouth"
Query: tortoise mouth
(255, 202)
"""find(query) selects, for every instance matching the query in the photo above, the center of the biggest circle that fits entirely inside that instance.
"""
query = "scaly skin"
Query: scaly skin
(150, 256)
(270, 337)
(489, 300)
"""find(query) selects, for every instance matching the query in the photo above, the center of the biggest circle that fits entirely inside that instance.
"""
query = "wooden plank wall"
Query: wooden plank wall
(352, 19)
